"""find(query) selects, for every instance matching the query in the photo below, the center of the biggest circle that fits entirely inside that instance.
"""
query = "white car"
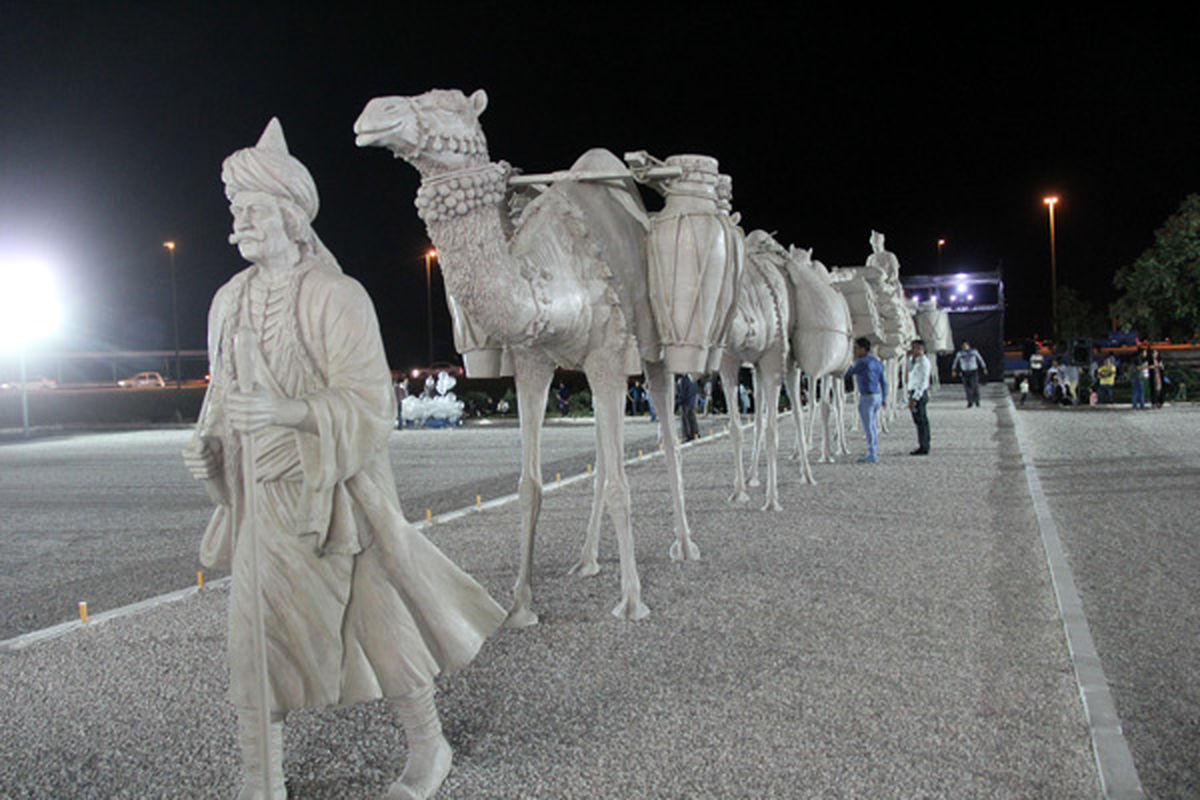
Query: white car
(142, 379)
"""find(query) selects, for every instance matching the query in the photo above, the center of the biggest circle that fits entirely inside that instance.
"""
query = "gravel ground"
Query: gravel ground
(884, 636)
(1122, 486)
(114, 518)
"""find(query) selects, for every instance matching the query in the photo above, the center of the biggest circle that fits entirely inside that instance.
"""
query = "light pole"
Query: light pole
(174, 313)
(940, 244)
(429, 256)
(1050, 203)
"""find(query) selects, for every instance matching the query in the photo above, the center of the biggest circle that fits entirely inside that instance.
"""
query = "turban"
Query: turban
(269, 168)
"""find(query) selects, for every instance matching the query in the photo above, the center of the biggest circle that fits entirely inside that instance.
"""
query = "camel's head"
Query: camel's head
(435, 132)
(800, 263)
(762, 246)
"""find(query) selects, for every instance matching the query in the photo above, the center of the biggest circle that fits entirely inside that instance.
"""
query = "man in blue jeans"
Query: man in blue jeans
(872, 388)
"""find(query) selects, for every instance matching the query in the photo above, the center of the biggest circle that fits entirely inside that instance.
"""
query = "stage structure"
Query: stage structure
(975, 303)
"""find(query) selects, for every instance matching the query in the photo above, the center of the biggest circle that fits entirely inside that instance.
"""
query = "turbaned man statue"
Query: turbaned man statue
(356, 604)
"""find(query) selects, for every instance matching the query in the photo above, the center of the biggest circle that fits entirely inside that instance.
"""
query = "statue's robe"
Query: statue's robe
(358, 603)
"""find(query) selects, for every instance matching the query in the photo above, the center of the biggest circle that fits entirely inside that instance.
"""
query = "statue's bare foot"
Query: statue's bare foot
(520, 617)
(631, 610)
(585, 568)
(428, 765)
(739, 496)
(678, 552)
(772, 504)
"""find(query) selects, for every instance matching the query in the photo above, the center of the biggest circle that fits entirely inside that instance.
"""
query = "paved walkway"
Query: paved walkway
(892, 633)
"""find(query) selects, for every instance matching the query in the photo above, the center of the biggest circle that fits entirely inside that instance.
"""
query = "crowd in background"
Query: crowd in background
(1143, 371)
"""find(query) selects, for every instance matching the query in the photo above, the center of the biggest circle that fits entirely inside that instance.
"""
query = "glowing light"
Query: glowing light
(169, 245)
(970, 297)
(29, 305)
(1050, 201)
(962, 288)
(953, 297)
(432, 253)
(916, 298)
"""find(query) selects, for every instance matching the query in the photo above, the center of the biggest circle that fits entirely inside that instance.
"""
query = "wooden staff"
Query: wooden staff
(245, 359)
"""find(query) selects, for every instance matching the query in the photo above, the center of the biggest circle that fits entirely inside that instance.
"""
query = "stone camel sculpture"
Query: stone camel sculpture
(821, 345)
(564, 284)
(758, 335)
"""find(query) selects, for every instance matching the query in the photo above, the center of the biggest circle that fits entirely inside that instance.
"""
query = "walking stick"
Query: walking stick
(245, 358)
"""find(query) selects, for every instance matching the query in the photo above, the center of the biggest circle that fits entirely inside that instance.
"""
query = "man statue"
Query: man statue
(884, 259)
(349, 602)
(867, 371)
(919, 371)
(970, 365)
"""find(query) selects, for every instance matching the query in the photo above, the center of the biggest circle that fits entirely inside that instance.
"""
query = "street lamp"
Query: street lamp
(174, 313)
(1050, 203)
(430, 255)
(940, 244)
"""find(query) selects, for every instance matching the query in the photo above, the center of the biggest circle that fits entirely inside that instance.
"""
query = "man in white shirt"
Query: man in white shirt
(918, 394)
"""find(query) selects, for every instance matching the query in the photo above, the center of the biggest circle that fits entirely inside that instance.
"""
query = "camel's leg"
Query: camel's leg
(607, 377)
(839, 396)
(533, 376)
(756, 450)
(729, 374)
(794, 378)
(827, 400)
(801, 441)
(662, 388)
(771, 368)
(588, 563)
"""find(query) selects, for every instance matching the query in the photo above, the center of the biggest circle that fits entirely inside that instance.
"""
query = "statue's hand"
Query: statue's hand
(202, 458)
(249, 412)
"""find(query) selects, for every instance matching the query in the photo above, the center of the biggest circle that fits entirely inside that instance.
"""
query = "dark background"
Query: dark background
(115, 117)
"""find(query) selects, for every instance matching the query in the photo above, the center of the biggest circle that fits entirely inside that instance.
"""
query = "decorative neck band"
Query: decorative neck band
(456, 194)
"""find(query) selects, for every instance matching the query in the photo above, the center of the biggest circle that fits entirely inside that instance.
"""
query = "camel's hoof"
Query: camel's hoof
(677, 552)
(754, 483)
(738, 497)
(631, 611)
(520, 618)
(585, 568)
(772, 505)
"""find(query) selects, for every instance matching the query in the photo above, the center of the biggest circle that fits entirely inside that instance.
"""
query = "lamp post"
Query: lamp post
(429, 256)
(174, 313)
(1050, 203)
(940, 244)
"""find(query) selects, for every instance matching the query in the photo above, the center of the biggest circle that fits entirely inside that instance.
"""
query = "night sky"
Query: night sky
(114, 120)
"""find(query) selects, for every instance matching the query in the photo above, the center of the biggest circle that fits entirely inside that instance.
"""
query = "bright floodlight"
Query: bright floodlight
(962, 288)
(29, 306)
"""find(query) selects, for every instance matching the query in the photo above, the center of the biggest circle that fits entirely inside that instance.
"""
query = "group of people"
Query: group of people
(1064, 385)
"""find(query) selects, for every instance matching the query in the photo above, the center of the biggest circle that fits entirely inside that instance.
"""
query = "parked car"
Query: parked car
(33, 384)
(142, 379)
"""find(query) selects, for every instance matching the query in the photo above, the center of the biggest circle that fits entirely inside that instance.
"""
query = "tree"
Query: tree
(1076, 316)
(1161, 289)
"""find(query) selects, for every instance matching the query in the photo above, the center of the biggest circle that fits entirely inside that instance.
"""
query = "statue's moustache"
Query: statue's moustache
(237, 237)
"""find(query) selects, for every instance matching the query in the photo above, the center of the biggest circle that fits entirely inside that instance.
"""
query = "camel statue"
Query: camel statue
(821, 338)
(562, 284)
(758, 336)
(933, 326)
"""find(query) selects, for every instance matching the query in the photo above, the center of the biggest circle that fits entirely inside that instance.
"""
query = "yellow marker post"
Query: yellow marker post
(589, 469)
(200, 579)
(641, 454)
(478, 499)
(83, 612)
(558, 477)
(429, 515)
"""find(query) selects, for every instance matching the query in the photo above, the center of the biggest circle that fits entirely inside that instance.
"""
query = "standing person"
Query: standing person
(1024, 388)
(918, 394)
(1157, 374)
(708, 395)
(1106, 375)
(867, 371)
(563, 395)
(1139, 371)
(355, 603)
(401, 395)
(686, 393)
(969, 364)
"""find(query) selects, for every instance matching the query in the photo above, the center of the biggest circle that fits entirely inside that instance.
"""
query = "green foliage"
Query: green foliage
(1161, 289)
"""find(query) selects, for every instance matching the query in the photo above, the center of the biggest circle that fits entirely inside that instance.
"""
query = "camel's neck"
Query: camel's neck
(463, 214)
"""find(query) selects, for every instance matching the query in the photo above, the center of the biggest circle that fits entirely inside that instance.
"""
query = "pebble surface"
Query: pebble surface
(891, 633)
